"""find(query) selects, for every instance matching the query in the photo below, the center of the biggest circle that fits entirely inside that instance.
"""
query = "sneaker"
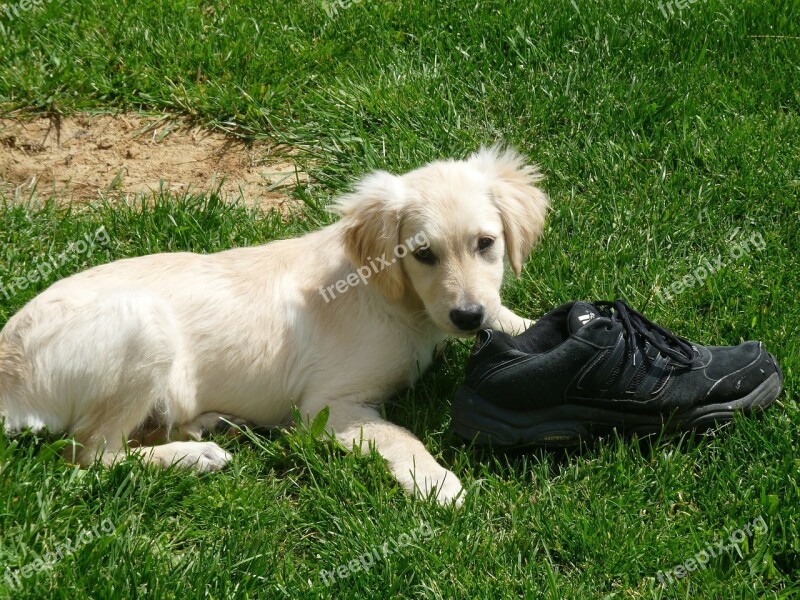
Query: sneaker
(588, 369)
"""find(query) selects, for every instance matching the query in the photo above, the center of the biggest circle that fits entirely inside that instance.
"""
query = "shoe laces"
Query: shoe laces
(635, 323)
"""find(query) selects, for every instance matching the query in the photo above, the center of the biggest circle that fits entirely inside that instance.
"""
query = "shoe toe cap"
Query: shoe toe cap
(739, 370)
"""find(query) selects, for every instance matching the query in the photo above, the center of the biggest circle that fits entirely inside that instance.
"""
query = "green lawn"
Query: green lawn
(667, 142)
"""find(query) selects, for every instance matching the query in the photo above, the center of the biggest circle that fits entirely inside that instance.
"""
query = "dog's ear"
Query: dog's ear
(522, 205)
(371, 219)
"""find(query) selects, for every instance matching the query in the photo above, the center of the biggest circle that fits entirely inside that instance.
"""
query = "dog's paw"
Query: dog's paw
(442, 486)
(511, 323)
(200, 456)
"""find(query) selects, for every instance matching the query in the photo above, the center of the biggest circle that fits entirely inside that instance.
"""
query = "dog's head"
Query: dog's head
(436, 236)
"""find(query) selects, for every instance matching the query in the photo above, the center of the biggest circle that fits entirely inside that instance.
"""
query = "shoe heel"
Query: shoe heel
(485, 424)
(472, 420)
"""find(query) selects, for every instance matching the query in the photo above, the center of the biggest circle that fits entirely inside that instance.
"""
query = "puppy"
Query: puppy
(158, 348)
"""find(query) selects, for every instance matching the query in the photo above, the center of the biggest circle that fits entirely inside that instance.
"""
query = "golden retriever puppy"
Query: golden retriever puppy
(342, 317)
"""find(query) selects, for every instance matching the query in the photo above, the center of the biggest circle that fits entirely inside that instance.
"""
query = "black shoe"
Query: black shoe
(588, 369)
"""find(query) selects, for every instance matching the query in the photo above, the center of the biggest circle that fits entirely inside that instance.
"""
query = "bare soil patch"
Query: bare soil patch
(85, 157)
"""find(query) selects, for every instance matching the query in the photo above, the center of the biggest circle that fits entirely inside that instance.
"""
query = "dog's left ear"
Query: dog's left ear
(523, 206)
(371, 218)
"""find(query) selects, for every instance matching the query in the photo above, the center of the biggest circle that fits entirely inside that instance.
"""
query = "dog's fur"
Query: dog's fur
(168, 343)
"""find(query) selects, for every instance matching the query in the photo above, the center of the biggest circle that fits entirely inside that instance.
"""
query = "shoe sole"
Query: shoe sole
(477, 420)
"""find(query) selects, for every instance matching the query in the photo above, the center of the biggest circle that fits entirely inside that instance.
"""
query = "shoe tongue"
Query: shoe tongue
(581, 314)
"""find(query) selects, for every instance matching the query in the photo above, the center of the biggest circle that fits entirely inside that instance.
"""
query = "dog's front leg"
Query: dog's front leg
(358, 425)
(511, 323)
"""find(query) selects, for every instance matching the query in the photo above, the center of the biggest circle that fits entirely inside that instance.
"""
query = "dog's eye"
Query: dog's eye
(424, 255)
(485, 243)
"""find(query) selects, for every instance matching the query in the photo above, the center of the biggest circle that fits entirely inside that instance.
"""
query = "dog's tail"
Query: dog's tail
(12, 377)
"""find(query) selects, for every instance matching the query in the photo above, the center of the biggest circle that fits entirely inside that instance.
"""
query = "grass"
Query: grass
(666, 141)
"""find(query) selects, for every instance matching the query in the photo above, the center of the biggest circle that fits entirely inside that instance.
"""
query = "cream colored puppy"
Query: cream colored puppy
(342, 317)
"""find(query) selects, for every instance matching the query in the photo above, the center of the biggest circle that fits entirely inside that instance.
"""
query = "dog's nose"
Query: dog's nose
(468, 318)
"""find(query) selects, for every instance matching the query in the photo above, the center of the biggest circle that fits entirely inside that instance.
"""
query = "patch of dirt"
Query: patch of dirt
(85, 157)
